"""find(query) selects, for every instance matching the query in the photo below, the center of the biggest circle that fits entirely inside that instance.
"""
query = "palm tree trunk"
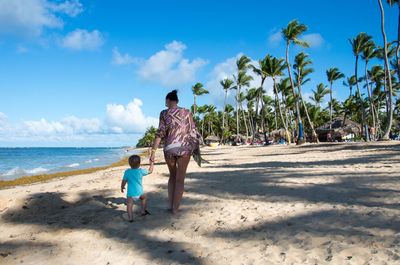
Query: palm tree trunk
(263, 120)
(330, 107)
(237, 112)
(245, 122)
(398, 44)
(298, 117)
(371, 104)
(361, 103)
(389, 77)
(280, 112)
(314, 134)
(223, 113)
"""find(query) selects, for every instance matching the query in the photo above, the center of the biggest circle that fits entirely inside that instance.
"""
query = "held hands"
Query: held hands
(152, 157)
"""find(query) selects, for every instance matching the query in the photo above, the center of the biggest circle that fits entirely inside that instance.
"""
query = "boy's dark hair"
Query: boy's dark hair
(173, 96)
(134, 161)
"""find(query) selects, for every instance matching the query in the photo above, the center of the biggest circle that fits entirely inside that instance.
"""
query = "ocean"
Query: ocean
(17, 162)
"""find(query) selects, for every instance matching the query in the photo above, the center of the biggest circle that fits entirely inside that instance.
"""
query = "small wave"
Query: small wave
(13, 171)
(37, 170)
(74, 165)
(17, 171)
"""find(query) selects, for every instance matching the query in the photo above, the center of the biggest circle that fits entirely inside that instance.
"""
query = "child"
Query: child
(133, 177)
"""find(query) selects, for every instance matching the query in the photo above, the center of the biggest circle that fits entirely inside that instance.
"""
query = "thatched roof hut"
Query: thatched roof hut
(340, 129)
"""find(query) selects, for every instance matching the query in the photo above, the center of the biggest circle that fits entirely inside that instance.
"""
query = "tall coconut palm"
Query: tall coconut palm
(377, 77)
(285, 88)
(226, 86)
(333, 74)
(261, 71)
(358, 44)
(319, 94)
(369, 52)
(350, 82)
(274, 70)
(393, 3)
(242, 98)
(389, 76)
(302, 61)
(198, 90)
(291, 34)
(241, 80)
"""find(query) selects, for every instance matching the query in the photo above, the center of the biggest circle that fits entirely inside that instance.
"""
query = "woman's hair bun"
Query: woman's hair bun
(173, 95)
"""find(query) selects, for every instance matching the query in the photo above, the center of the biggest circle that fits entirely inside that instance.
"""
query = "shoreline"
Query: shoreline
(39, 178)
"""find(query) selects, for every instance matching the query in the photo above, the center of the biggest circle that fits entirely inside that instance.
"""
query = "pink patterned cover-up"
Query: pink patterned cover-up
(178, 131)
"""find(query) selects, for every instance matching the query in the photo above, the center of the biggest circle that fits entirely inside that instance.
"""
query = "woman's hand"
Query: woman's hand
(152, 157)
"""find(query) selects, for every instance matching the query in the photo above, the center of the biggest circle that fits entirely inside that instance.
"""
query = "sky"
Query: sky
(95, 73)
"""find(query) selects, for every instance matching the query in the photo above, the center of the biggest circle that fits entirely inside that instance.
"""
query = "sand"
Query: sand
(310, 204)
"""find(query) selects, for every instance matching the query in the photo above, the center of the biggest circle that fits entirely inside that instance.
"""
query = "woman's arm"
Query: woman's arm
(156, 144)
(161, 132)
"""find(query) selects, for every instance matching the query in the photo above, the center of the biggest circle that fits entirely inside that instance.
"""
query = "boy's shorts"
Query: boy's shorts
(134, 198)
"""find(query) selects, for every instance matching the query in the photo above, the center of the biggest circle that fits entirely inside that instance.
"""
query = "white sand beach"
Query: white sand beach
(310, 204)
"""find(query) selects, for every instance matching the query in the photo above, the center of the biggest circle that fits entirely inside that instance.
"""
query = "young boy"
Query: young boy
(133, 177)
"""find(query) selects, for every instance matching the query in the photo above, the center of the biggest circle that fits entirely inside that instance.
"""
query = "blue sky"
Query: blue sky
(95, 73)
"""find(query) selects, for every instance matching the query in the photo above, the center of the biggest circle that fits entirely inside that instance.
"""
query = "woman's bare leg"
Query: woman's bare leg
(171, 163)
(182, 164)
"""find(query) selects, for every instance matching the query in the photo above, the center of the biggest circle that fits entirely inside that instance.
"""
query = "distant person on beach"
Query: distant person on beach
(177, 130)
(133, 177)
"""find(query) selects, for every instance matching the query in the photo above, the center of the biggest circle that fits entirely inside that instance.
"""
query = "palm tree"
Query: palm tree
(301, 72)
(350, 82)
(275, 69)
(369, 52)
(226, 86)
(392, 3)
(202, 110)
(358, 44)
(389, 76)
(377, 77)
(291, 35)
(241, 80)
(319, 94)
(261, 71)
(242, 98)
(333, 75)
(198, 90)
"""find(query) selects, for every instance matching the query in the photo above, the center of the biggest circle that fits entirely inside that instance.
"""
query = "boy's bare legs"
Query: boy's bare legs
(143, 201)
(171, 163)
(129, 206)
(182, 164)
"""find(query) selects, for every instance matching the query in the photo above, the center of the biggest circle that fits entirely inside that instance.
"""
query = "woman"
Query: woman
(178, 133)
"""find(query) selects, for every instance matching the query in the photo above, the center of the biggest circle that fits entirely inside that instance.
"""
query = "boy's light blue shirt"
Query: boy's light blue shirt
(133, 177)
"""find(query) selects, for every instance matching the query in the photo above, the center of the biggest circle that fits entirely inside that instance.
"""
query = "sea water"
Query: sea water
(17, 162)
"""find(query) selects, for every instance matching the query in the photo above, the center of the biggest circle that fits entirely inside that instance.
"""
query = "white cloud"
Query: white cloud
(129, 118)
(29, 18)
(67, 126)
(71, 8)
(120, 123)
(275, 39)
(315, 40)
(81, 39)
(227, 69)
(121, 59)
(21, 49)
(169, 68)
